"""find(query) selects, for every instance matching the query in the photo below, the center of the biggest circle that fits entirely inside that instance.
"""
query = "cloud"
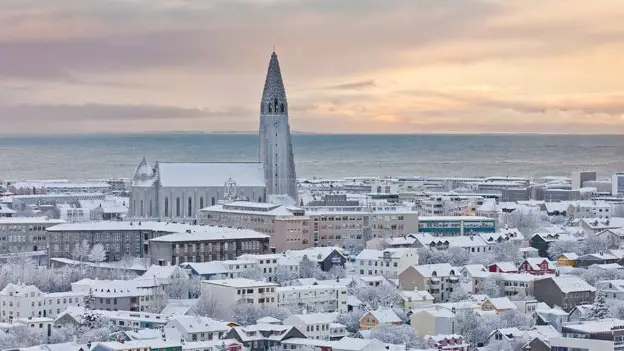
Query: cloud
(355, 85)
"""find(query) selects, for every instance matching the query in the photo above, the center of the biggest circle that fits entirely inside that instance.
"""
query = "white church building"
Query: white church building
(176, 191)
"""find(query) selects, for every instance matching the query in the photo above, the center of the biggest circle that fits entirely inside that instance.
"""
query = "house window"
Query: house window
(212, 201)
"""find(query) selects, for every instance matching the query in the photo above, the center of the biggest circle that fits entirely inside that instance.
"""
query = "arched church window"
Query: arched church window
(177, 207)
(259, 198)
(190, 207)
(166, 207)
(150, 208)
(270, 107)
(141, 213)
(201, 202)
(276, 104)
(282, 108)
(212, 201)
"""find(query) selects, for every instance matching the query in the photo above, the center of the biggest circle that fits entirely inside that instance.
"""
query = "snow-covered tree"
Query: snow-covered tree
(89, 317)
(458, 256)
(351, 320)
(252, 273)
(384, 295)
(599, 309)
(515, 319)
(19, 337)
(307, 267)
(398, 335)
(507, 251)
(491, 287)
(247, 314)
(459, 293)
(284, 274)
(526, 219)
(559, 247)
(81, 251)
(97, 254)
(594, 244)
(499, 345)
(432, 256)
(207, 305)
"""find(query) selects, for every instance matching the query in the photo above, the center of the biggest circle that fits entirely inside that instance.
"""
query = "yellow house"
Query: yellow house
(567, 259)
(382, 315)
(498, 304)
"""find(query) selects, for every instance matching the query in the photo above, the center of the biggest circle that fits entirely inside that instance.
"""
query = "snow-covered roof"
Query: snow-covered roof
(268, 320)
(212, 233)
(599, 326)
(476, 270)
(437, 312)
(30, 220)
(428, 240)
(606, 266)
(438, 269)
(416, 295)
(506, 266)
(488, 206)
(239, 283)
(502, 303)
(195, 324)
(570, 255)
(453, 218)
(254, 208)
(311, 318)
(181, 174)
(385, 315)
(571, 283)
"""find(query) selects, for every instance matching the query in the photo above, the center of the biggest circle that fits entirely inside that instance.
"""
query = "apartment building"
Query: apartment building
(207, 244)
(589, 209)
(141, 294)
(438, 279)
(455, 225)
(313, 298)
(25, 234)
(231, 291)
(388, 263)
(272, 265)
(19, 301)
(219, 269)
(288, 227)
(348, 226)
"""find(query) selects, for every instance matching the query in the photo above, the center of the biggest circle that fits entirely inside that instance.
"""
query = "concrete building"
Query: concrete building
(176, 191)
(287, 226)
(19, 301)
(207, 244)
(25, 234)
(388, 263)
(350, 226)
(579, 177)
(617, 184)
(272, 265)
(227, 269)
(589, 209)
(316, 298)
(276, 152)
(437, 279)
(228, 292)
(141, 294)
(455, 225)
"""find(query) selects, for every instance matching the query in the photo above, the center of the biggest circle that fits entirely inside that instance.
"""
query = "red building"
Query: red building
(536, 266)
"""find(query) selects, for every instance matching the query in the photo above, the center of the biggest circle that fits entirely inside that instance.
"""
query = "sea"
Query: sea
(97, 156)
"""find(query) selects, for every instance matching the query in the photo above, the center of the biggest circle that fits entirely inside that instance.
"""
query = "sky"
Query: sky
(349, 66)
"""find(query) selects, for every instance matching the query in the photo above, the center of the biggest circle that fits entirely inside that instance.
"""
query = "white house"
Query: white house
(320, 326)
(273, 264)
(230, 291)
(388, 262)
(315, 298)
(197, 328)
(27, 301)
(433, 321)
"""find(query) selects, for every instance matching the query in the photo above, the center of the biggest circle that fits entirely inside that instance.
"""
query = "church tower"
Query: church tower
(276, 152)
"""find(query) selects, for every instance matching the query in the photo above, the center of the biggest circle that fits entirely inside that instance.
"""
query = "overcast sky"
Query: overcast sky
(350, 66)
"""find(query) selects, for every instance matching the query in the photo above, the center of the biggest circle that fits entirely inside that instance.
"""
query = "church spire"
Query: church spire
(274, 94)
